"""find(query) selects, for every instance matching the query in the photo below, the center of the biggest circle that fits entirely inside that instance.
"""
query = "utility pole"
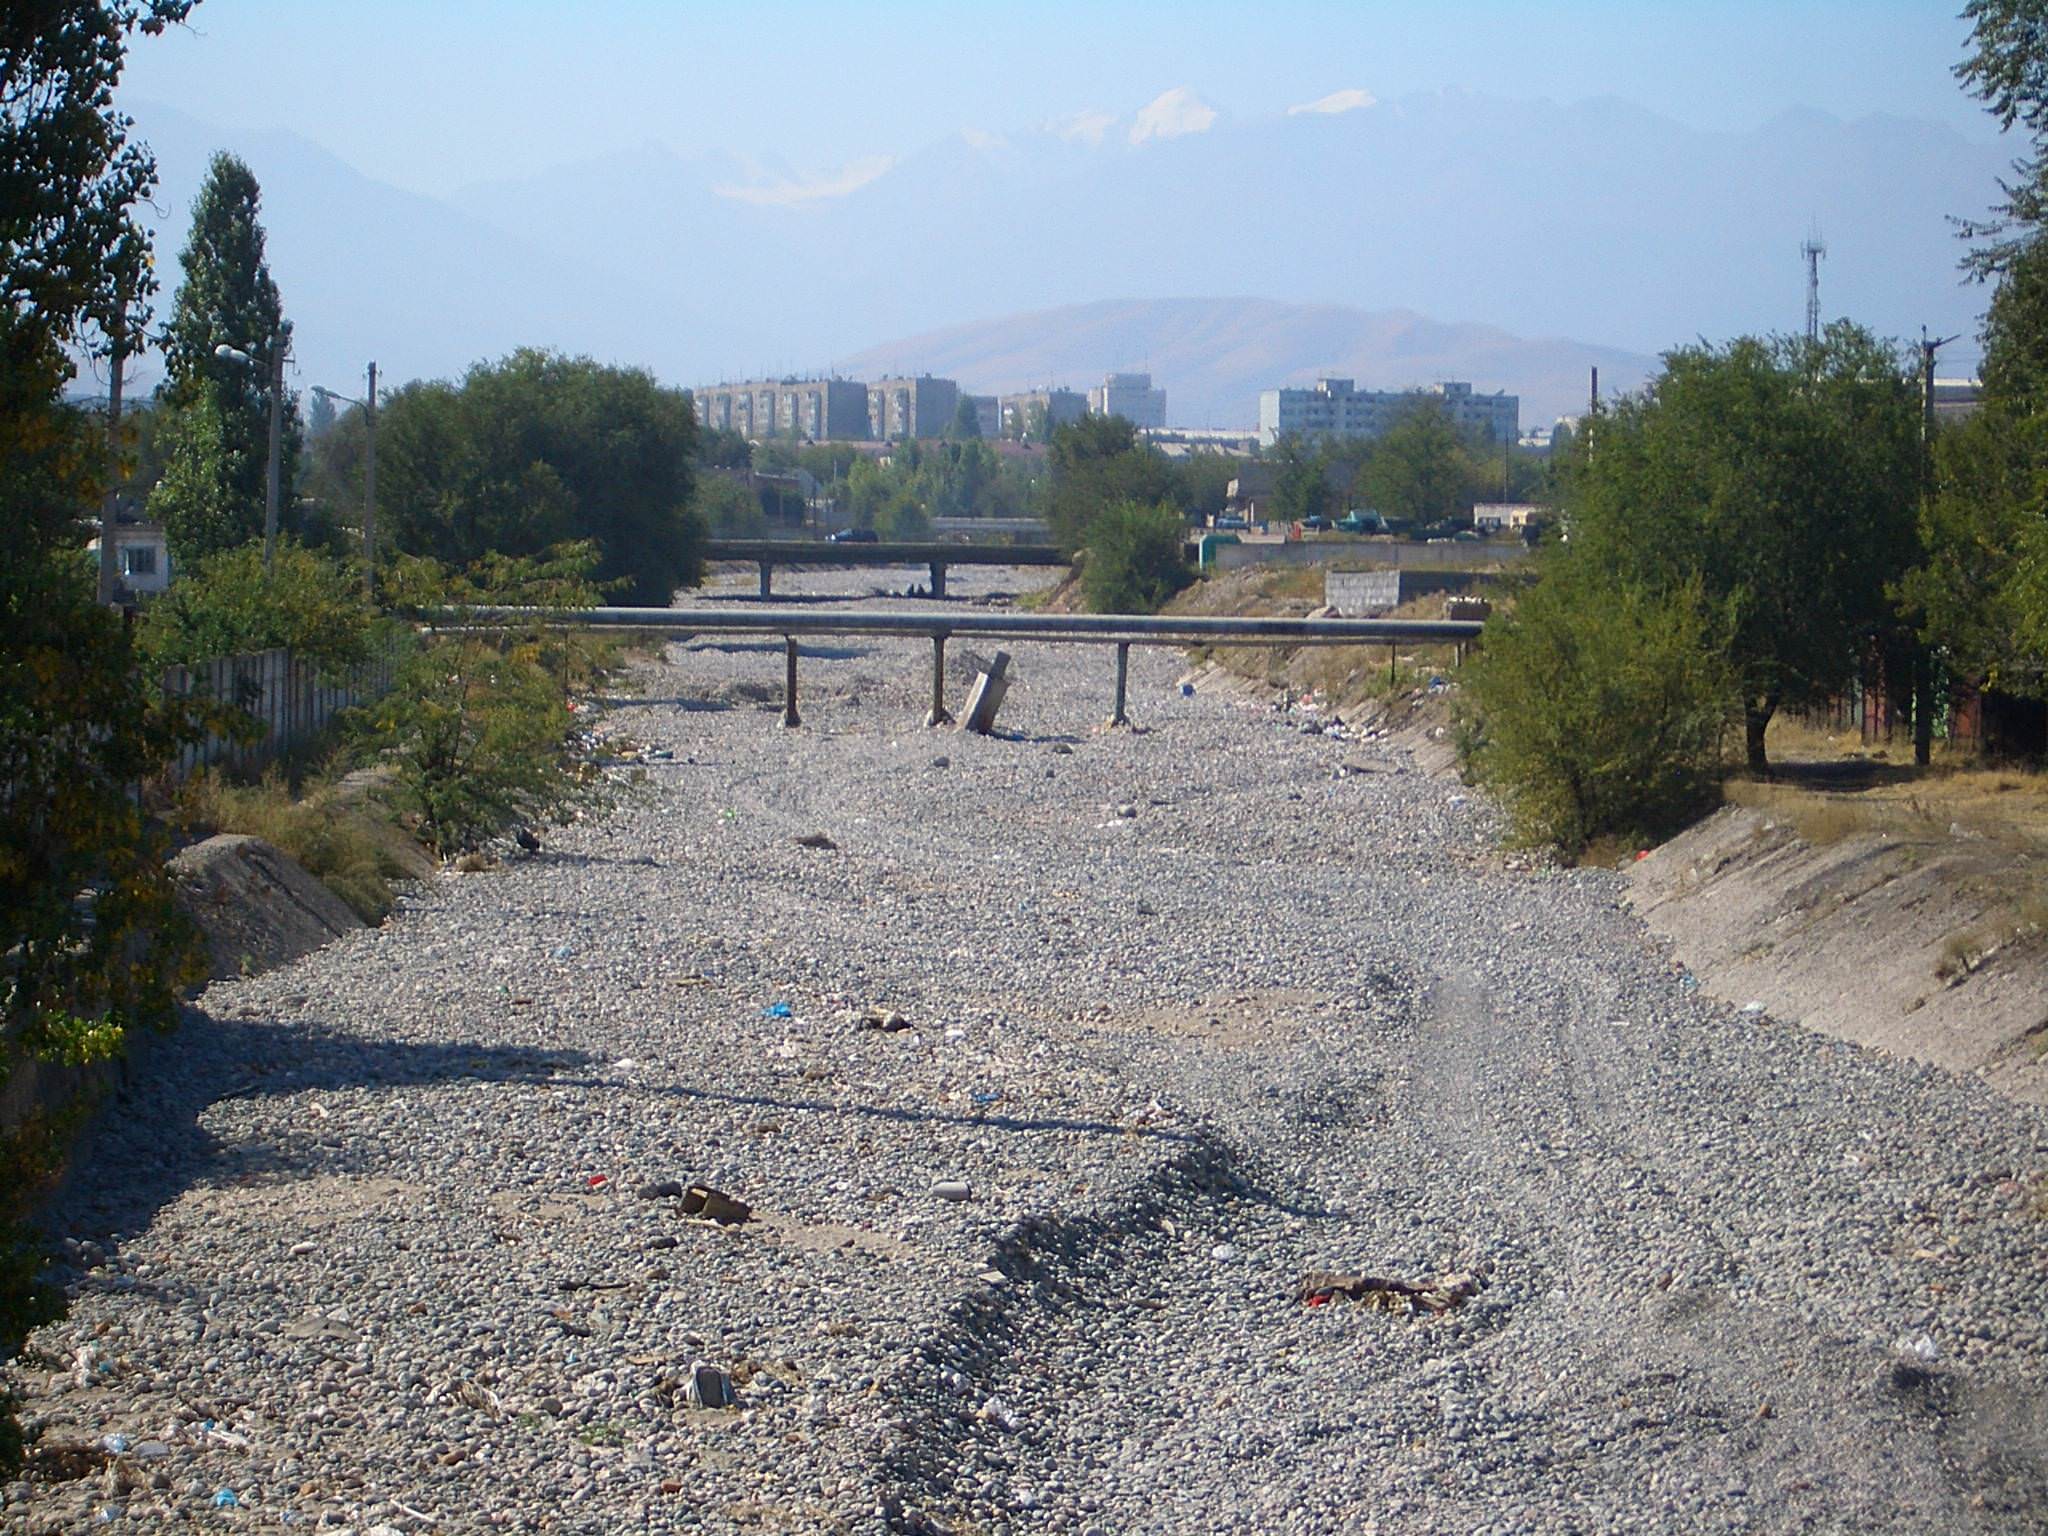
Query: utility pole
(110, 568)
(270, 479)
(370, 486)
(1923, 654)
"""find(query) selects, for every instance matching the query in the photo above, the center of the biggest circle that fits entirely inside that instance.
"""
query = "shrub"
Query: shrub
(308, 603)
(1135, 561)
(341, 844)
(478, 734)
(1595, 709)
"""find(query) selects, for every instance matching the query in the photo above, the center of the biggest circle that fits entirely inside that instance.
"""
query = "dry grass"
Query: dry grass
(348, 843)
(1344, 675)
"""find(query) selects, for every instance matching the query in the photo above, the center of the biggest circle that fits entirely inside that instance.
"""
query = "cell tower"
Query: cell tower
(1813, 250)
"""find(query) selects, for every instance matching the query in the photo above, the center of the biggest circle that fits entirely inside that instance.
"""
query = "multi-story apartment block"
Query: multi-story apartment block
(811, 408)
(1335, 408)
(1131, 396)
(919, 407)
(1051, 407)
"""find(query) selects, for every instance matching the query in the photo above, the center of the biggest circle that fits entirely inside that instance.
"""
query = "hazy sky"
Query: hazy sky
(434, 95)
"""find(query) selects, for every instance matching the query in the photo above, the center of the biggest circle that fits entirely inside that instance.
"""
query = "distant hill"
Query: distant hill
(1213, 356)
(1594, 219)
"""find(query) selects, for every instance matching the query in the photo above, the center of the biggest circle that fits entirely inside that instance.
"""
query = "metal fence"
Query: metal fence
(290, 701)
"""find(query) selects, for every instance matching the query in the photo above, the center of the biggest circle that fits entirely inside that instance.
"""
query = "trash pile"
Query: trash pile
(1383, 1294)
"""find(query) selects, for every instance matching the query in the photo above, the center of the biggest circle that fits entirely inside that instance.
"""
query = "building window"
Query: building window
(139, 560)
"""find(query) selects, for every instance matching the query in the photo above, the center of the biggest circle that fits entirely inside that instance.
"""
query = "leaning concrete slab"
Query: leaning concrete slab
(256, 907)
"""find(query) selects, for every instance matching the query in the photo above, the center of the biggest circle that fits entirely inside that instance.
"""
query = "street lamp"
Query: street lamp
(369, 405)
(275, 362)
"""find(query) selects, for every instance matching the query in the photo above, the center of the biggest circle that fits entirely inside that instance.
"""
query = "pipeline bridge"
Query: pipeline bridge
(769, 553)
(1119, 630)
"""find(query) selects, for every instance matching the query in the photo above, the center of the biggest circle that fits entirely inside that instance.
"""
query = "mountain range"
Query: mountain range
(1350, 220)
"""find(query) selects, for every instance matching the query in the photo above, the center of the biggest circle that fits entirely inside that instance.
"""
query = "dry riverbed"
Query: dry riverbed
(1206, 1018)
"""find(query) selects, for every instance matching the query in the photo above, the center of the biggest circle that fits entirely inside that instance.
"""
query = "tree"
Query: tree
(1301, 487)
(311, 604)
(727, 509)
(93, 941)
(1419, 468)
(542, 448)
(1782, 478)
(966, 422)
(217, 423)
(1136, 559)
(2007, 69)
(1098, 462)
(1597, 708)
(72, 257)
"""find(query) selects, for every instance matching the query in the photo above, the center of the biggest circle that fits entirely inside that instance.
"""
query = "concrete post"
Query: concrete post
(938, 579)
(1123, 676)
(767, 579)
(938, 716)
(790, 717)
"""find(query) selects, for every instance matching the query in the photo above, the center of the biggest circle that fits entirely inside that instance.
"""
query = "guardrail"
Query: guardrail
(1120, 630)
(769, 553)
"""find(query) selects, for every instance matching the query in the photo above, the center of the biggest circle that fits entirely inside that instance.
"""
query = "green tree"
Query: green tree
(216, 429)
(311, 604)
(966, 426)
(1597, 708)
(903, 518)
(1981, 533)
(1420, 468)
(1780, 477)
(1136, 559)
(538, 449)
(1096, 463)
(2007, 70)
(727, 508)
(93, 941)
(1301, 487)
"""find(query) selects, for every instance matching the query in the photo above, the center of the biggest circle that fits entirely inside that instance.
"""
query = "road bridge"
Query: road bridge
(769, 553)
(1120, 630)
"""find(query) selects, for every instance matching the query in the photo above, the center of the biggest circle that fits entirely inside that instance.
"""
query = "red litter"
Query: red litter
(596, 1181)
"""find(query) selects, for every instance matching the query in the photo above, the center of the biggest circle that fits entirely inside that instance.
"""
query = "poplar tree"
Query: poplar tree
(217, 421)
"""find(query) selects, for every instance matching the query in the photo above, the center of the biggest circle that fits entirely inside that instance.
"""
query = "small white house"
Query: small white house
(142, 558)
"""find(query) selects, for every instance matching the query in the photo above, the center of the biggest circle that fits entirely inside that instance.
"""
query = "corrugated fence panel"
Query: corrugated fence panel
(287, 699)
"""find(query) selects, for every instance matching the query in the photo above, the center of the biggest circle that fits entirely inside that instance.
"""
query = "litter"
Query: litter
(777, 1011)
(708, 1386)
(987, 1095)
(596, 1181)
(885, 1019)
(1441, 1295)
(225, 1499)
(716, 1205)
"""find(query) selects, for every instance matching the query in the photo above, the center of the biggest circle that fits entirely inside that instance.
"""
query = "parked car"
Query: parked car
(1316, 524)
(854, 536)
(1232, 522)
(1361, 522)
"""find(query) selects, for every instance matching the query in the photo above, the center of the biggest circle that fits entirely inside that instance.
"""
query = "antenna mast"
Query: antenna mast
(1812, 251)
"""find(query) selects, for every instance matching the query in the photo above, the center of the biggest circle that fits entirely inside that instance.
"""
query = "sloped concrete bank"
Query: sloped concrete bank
(1868, 939)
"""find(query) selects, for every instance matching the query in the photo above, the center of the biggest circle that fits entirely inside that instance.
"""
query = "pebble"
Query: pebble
(1362, 1041)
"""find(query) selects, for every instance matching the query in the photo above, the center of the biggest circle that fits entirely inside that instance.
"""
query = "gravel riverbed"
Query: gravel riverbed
(1193, 1011)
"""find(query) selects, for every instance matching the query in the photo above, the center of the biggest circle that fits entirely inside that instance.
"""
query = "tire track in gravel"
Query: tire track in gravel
(1832, 1444)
